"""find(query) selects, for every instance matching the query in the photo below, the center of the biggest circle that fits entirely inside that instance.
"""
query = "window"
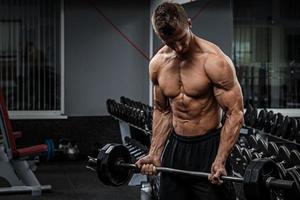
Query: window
(266, 49)
(30, 55)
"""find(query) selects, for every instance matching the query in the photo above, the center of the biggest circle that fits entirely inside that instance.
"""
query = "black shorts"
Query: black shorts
(195, 153)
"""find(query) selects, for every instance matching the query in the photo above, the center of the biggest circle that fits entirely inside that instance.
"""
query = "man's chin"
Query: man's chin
(181, 53)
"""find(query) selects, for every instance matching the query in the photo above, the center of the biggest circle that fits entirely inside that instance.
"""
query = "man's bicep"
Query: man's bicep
(227, 89)
(160, 101)
(230, 99)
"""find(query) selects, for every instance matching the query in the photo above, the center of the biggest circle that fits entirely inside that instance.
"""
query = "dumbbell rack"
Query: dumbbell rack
(274, 138)
(125, 128)
(137, 179)
(248, 132)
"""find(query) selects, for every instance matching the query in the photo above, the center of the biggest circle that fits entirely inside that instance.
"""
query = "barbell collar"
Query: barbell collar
(271, 182)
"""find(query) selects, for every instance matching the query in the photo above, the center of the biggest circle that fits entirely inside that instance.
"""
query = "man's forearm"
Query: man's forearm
(162, 126)
(229, 135)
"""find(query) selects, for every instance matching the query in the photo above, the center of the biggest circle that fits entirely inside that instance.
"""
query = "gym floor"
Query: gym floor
(72, 181)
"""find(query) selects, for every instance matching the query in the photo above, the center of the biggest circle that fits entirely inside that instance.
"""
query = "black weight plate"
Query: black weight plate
(268, 122)
(256, 174)
(247, 154)
(295, 158)
(284, 155)
(236, 152)
(285, 128)
(101, 165)
(263, 146)
(108, 172)
(123, 100)
(297, 134)
(279, 124)
(281, 170)
(118, 175)
(256, 155)
(108, 106)
(260, 122)
(293, 128)
(253, 117)
(113, 107)
(247, 114)
(273, 149)
(273, 124)
(252, 141)
(293, 175)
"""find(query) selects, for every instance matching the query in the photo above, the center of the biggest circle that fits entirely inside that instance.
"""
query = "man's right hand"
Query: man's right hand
(148, 164)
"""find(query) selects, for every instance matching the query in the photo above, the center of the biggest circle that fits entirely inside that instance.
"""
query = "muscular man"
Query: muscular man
(193, 80)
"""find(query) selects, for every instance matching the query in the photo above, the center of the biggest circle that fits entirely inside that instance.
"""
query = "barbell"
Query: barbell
(261, 179)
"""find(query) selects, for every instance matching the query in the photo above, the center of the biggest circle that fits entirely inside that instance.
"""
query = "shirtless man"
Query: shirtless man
(193, 80)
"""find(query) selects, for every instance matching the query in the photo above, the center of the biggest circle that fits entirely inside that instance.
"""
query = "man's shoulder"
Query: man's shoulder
(214, 57)
(161, 52)
(209, 48)
(219, 69)
(158, 59)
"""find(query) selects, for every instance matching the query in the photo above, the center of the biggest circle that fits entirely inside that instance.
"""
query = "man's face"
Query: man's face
(180, 40)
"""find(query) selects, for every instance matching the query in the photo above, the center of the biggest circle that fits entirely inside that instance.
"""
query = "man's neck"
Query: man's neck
(192, 48)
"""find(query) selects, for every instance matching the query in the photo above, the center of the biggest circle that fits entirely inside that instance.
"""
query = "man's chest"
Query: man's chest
(186, 77)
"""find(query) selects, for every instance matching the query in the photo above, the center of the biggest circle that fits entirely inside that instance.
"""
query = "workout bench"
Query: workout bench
(14, 167)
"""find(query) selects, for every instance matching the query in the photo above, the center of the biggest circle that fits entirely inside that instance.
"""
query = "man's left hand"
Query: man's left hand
(217, 170)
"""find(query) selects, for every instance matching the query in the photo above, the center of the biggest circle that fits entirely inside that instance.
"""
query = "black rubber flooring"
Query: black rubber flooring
(72, 181)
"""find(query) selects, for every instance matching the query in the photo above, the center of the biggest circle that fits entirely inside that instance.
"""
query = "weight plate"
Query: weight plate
(256, 174)
(108, 170)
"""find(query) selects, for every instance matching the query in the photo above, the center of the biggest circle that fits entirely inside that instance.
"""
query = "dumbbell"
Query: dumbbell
(279, 121)
(290, 160)
(253, 151)
(250, 115)
(270, 149)
(273, 123)
(294, 128)
(243, 142)
(65, 148)
(282, 156)
(268, 122)
(283, 130)
(69, 148)
(135, 148)
(238, 160)
(260, 122)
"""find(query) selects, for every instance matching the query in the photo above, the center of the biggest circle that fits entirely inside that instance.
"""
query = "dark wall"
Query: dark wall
(99, 62)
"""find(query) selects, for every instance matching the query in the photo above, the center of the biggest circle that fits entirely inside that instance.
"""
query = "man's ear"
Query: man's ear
(190, 22)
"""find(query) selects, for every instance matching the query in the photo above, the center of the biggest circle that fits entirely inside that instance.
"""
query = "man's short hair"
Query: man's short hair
(167, 16)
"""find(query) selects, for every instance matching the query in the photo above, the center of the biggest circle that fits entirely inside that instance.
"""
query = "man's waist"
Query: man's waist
(196, 137)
